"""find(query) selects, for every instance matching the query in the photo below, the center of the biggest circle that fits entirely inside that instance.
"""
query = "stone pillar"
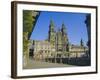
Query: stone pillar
(88, 25)
(61, 59)
(55, 59)
(25, 49)
(25, 59)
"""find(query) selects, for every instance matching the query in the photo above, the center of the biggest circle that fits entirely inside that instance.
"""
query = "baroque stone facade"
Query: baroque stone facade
(57, 46)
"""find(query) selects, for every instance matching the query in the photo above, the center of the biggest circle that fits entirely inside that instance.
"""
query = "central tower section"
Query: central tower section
(52, 34)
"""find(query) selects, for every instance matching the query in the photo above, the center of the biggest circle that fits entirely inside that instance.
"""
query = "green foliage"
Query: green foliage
(27, 21)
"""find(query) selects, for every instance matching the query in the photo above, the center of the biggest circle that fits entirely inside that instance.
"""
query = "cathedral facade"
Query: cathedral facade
(57, 45)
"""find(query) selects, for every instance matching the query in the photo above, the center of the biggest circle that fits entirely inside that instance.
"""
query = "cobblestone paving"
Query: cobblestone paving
(40, 64)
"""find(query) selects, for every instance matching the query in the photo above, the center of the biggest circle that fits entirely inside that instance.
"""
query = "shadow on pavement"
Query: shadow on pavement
(83, 61)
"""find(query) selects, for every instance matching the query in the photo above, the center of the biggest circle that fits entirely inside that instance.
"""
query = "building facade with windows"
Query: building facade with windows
(57, 45)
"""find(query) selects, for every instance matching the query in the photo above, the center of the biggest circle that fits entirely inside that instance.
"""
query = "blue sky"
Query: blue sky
(74, 22)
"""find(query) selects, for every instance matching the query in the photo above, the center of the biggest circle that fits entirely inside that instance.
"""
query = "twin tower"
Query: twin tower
(58, 39)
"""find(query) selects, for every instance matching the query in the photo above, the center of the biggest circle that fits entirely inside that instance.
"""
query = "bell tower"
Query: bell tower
(65, 41)
(81, 43)
(51, 33)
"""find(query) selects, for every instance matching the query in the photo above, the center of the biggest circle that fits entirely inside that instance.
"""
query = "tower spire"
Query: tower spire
(63, 28)
(51, 32)
(81, 42)
(51, 23)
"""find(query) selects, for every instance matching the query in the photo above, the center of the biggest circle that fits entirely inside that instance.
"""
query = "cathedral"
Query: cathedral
(58, 39)
(56, 46)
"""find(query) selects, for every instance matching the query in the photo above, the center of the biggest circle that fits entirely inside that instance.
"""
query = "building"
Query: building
(41, 48)
(57, 46)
